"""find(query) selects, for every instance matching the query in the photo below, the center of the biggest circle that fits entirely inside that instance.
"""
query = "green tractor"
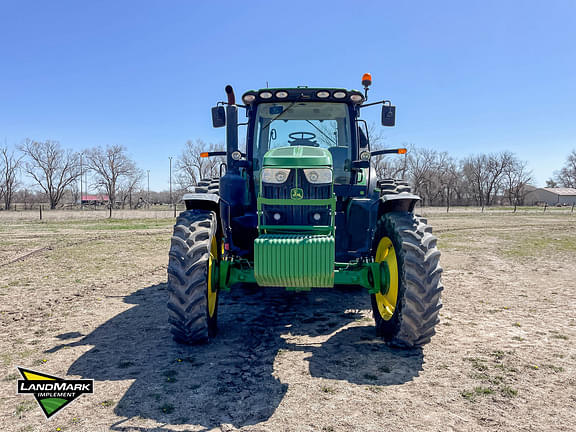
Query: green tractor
(303, 208)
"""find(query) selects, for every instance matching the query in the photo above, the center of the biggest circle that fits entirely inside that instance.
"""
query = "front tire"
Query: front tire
(406, 311)
(193, 301)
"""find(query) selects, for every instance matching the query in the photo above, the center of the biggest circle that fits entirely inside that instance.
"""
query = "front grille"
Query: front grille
(298, 214)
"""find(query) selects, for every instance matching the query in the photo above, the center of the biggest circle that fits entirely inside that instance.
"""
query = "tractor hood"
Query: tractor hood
(297, 157)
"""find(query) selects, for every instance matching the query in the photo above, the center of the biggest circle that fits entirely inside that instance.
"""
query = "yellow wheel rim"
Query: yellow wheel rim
(386, 298)
(212, 291)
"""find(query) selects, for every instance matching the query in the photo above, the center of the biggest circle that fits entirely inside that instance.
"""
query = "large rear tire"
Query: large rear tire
(208, 186)
(193, 301)
(393, 186)
(406, 310)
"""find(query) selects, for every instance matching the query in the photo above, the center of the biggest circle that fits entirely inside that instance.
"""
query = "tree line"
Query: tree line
(55, 171)
(480, 179)
(439, 178)
(442, 180)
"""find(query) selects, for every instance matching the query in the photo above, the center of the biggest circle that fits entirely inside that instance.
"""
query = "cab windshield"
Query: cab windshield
(316, 124)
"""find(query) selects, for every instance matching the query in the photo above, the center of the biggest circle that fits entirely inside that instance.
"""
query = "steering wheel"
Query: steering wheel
(302, 138)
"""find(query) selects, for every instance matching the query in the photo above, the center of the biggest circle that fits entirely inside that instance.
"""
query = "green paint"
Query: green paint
(310, 202)
(297, 157)
(294, 260)
(53, 404)
(372, 276)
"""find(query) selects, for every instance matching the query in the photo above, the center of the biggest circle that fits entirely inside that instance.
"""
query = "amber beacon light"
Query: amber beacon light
(367, 80)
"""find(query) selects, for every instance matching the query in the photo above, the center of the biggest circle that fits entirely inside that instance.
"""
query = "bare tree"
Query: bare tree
(551, 183)
(74, 191)
(449, 174)
(9, 166)
(516, 177)
(422, 173)
(497, 164)
(191, 167)
(29, 197)
(128, 187)
(567, 175)
(111, 167)
(51, 166)
(475, 169)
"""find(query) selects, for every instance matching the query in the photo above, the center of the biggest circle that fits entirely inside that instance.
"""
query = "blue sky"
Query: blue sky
(466, 76)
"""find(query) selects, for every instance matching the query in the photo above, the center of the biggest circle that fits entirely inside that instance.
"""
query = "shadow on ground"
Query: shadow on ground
(231, 381)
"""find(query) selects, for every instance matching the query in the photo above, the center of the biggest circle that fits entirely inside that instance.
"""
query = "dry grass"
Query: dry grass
(83, 296)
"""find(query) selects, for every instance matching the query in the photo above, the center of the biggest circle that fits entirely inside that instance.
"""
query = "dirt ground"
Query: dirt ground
(86, 298)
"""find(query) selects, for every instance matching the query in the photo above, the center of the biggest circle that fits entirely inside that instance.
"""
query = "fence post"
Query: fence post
(40, 211)
(545, 207)
(572, 211)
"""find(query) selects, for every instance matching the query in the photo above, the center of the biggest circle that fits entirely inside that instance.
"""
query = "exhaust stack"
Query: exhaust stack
(230, 93)
(231, 130)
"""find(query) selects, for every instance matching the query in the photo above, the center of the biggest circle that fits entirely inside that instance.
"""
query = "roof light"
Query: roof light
(402, 151)
(266, 95)
(281, 94)
(248, 98)
(204, 154)
(339, 95)
(323, 94)
(356, 98)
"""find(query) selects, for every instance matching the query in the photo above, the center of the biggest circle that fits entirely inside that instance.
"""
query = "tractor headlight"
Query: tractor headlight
(319, 175)
(275, 175)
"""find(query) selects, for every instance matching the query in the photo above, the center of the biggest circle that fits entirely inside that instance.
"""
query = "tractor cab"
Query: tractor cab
(304, 117)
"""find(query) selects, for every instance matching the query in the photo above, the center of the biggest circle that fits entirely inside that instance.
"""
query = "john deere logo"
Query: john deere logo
(51, 392)
(296, 193)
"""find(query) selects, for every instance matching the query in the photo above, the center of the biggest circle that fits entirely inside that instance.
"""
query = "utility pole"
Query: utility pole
(81, 206)
(148, 195)
(171, 200)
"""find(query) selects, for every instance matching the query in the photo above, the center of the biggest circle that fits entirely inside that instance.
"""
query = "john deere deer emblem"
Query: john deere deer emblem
(296, 193)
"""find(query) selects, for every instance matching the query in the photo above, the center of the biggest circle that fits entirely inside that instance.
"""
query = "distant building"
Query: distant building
(551, 196)
(95, 199)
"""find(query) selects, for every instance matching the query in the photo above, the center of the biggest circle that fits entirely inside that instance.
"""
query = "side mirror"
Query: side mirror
(218, 116)
(388, 115)
(359, 164)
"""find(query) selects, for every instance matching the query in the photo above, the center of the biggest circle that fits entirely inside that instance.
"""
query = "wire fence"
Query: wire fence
(43, 213)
